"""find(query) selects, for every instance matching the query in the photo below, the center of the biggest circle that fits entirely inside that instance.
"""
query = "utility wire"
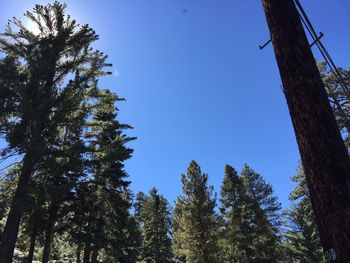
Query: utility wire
(325, 55)
(306, 21)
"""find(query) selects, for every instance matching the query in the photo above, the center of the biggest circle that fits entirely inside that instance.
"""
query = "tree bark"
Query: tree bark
(33, 237)
(323, 153)
(79, 253)
(49, 232)
(87, 252)
(94, 255)
(9, 235)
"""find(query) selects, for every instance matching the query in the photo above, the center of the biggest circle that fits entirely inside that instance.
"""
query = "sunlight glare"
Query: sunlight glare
(33, 27)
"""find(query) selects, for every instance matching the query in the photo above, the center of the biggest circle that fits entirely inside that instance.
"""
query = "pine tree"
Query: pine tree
(156, 226)
(232, 199)
(63, 166)
(133, 241)
(266, 218)
(302, 239)
(103, 199)
(195, 221)
(339, 97)
(35, 71)
(140, 200)
(251, 215)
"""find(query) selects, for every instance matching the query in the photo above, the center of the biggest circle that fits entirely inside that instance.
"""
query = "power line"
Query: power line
(325, 54)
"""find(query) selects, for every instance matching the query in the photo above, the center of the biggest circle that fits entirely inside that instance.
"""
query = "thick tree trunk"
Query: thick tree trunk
(94, 255)
(324, 156)
(9, 235)
(49, 232)
(33, 237)
(87, 252)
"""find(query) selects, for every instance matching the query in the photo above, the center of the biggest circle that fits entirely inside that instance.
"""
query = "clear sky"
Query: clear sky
(197, 85)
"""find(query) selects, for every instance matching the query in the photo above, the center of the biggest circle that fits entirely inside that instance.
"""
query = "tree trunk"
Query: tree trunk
(79, 253)
(87, 252)
(49, 232)
(9, 235)
(323, 153)
(33, 237)
(94, 255)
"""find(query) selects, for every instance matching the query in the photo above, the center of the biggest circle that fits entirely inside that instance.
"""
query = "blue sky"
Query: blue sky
(197, 85)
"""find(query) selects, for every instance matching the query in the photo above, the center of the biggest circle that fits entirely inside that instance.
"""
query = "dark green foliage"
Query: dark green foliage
(140, 200)
(103, 219)
(153, 213)
(251, 218)
(35, 89)
(69, 194)
(133, 241)
(71, 184)
(302, 240)
(339, 97)
(195, 221)
(232, 239)
(40, 104)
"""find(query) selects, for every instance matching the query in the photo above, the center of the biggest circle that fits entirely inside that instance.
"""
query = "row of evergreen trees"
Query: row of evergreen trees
(64, 192)
(248, 226)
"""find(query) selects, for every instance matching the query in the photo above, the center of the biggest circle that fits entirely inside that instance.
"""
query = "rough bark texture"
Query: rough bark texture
(79, 248)
(9, 235)
(33, 237)
(94, 255)
(49, 232)
(324, 156)
(87, 252)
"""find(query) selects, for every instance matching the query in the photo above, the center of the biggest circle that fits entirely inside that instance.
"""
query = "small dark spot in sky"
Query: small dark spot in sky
(184, 11)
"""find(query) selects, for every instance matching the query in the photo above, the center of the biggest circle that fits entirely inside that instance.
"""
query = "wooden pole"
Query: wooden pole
(324, 156)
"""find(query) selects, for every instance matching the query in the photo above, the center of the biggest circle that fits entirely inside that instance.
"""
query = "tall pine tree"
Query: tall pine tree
(156, 226)
(233, 237)
(35, 72)
(251, 215)
(195, 221)
(104, 196)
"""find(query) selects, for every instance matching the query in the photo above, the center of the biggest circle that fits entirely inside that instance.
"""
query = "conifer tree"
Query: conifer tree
(251, 215)
(140, 200)
(195, 221)
(63, 166)
(34, 76)
(104, 197)
(265, 223)
(232, 199)
(339, 97)
(302, 240)
(156, 226)
(133, 241)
